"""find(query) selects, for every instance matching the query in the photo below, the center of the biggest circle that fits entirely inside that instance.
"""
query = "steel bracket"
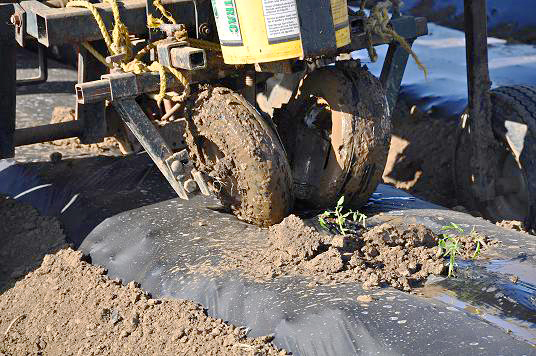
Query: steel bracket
(170, 164)
(122, 85)
(8, 63)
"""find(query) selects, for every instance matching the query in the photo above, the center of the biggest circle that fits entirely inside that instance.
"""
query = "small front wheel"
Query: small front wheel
(231, 143)
(337, 133)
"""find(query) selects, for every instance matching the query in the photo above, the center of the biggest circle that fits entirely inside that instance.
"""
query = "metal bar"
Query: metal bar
(91, 116)
(44, 133)
(479, 84)
(150, 139)
(43, 69)
(8, 64)
(317, 30)
(393, 72)
(100, 90)
(73, 25)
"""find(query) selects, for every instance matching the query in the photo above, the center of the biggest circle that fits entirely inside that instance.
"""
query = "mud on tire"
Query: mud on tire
(355, 132)
(230, 142)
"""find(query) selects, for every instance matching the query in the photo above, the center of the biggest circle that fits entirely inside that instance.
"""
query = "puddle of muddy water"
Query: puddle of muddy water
(491, 292)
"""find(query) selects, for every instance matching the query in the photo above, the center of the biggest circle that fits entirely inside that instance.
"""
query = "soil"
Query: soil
(25, 238)
(421, 158)
(64, 114)
(399, 256)
(69, 307)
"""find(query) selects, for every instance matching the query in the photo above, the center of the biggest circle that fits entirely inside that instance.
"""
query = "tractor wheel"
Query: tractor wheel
(337, 132)
(514, 126)
(242, 156)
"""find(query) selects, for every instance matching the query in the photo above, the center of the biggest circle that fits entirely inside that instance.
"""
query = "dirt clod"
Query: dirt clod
(400, 256)
(512, 225)
(365, 298)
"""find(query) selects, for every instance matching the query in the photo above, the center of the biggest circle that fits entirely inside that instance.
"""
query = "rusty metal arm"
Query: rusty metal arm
(151, 140)
(479, 84)
(56, 26)
(51, 132)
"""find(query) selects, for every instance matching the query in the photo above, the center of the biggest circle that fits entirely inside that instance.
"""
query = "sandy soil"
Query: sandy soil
(25, 238)
(63, 114)
(421, 159)
(69, 307)
(398, 256)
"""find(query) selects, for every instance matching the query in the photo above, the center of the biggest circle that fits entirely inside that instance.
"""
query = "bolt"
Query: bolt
(177, 167)
(204, 29)
(249, 80)
(16, 19)
(190, 186)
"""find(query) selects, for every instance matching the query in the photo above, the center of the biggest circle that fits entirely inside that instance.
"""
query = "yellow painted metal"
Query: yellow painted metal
(257, 31)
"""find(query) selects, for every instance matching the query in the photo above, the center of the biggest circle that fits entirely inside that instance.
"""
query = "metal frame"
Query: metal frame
(8, 63)
(51, 26)
(479, 85)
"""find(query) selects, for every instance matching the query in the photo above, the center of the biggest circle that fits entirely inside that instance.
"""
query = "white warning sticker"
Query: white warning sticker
(281, 17)
(227, 22)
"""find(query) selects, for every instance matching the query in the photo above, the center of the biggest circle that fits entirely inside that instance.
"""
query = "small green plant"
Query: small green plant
(341, 217)
(451, 227)
(479, 239)
(451, 245)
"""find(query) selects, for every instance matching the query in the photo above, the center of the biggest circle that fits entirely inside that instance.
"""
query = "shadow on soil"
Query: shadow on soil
(421, 159)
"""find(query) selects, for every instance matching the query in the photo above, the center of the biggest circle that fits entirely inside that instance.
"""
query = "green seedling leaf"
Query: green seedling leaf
(322, 222)
(340, 202)
(451, 247)
(452, 226)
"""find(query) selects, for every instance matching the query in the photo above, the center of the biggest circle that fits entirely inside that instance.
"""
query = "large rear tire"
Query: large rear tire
(231, 143)
(514, 126)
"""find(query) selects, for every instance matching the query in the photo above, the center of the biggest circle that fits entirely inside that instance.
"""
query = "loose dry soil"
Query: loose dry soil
(69, 307)
(399, 256)
(65, 114)
(422, 156)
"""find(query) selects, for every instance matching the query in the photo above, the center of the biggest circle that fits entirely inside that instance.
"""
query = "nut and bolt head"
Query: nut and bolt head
(204, 29)
(177, 167)
(16, 19)
(190, 186)
(55, 157)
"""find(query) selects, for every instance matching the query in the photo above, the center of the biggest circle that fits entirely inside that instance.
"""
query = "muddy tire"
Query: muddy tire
(247, 165)
(514, 126)
(337, 134)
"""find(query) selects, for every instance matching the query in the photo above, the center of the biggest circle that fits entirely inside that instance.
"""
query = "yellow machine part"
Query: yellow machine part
(256, 31)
